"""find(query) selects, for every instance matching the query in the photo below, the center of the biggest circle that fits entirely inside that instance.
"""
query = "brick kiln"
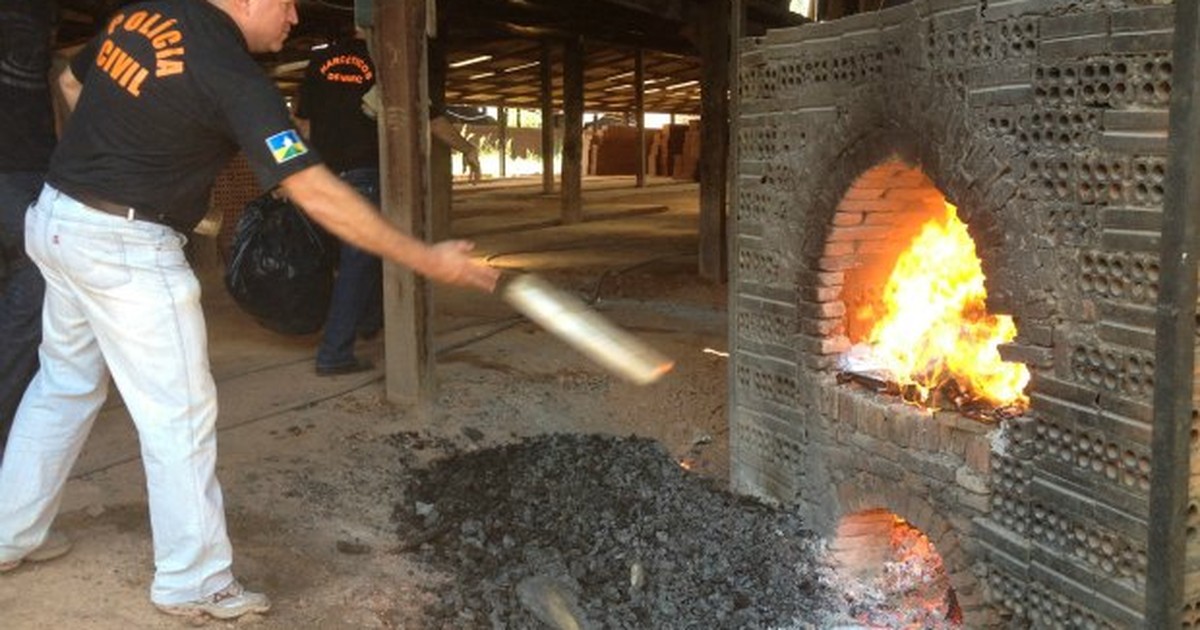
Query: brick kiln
(1045, 122)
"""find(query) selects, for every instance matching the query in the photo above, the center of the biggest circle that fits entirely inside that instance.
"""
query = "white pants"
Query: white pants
(120, 297)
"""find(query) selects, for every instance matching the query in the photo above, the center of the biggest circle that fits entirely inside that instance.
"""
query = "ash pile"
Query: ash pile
(601, 532)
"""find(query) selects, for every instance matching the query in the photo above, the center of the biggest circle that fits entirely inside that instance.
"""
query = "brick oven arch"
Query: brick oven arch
(867, 503)
(877, 217)
(865, 181)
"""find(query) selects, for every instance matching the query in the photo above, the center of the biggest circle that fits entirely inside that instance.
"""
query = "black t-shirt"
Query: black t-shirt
(27, 124)
(170, 93)
(331, 100)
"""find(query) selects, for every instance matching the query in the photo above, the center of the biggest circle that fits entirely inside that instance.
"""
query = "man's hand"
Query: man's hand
(441, 129)
(449, 263)
(371, 103)
(471, 158)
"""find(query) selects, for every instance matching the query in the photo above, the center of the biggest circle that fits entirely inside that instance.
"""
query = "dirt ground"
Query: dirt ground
(311, 467)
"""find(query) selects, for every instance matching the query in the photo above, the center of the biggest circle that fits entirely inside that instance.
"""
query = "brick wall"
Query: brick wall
(1045, 122)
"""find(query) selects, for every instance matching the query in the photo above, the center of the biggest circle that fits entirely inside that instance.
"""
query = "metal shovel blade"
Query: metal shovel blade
(567, 317)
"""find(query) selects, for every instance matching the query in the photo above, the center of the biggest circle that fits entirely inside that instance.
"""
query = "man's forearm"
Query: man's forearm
(444, 131)
(348, 215)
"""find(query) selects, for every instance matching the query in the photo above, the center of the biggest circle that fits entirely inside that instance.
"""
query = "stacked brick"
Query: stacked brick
(234, 188)
(1045, 122)
(674, 151)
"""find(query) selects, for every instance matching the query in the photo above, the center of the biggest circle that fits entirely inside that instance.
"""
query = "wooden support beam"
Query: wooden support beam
(399, 44)
(546, 74)
(602, 20)
(572, 151)
(736, 26)
(441, 168)
(1169, 554)
(639, 112)
(713, 28)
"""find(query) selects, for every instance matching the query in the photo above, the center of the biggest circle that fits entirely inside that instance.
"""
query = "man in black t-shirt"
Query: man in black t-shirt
(163, 95)
(335, 81)
(331, 114)
(26, 139)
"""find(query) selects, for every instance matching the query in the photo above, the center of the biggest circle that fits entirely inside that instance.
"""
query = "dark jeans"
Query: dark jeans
(20, 301)
(357, 303)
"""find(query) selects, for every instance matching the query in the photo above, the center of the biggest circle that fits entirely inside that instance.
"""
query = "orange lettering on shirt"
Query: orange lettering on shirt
(166, 39)
(127, 74)
(116, 21)
(150, 35)
(106, 49)
(135, 85)
(121, 65)
(167, 66)
(359, 64)
(338, 77)
(115, 56)
(149, 23)
(135, 20)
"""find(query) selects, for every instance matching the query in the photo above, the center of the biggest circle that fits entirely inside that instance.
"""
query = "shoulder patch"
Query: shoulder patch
(286, 145)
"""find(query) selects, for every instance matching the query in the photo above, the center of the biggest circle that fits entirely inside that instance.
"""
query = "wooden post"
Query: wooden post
(1171, 442)
(502, 123)
(404, 159)
(639, 112)
(572, 151)
(546, 72)
(713, 28)
(737, 24)
(737, 27)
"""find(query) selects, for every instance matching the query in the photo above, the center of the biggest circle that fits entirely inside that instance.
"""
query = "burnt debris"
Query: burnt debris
(623, 536)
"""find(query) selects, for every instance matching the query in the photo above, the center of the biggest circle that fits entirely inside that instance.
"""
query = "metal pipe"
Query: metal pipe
(574, 322)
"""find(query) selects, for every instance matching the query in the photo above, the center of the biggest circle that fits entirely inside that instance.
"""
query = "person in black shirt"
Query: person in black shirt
(332, 115)
(163, 96)
(26, 139)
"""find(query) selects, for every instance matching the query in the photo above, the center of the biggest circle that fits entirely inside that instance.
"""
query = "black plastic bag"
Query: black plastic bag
(282, 266)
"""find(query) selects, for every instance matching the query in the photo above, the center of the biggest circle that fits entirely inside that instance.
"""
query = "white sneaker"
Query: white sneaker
(55, 545)
(228, 603)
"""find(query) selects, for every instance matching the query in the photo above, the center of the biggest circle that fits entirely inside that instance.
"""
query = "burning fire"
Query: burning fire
(934, 328)
(917, 576)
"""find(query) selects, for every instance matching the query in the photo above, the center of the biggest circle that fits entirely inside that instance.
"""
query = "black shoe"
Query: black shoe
(354, 367)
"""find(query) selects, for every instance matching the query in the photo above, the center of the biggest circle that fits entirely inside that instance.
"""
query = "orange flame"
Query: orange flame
(936, 326)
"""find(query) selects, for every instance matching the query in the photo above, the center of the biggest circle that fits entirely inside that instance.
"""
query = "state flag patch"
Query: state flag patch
(286, 145)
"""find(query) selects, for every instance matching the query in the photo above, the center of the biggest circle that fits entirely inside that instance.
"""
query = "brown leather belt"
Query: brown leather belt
(116, 209)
